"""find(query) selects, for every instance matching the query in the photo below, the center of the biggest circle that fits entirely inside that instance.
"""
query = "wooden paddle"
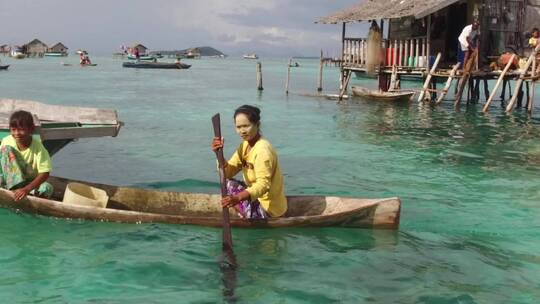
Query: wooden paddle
(227, 236)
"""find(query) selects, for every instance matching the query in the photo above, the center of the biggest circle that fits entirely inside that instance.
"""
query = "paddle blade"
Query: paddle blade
(216, 123)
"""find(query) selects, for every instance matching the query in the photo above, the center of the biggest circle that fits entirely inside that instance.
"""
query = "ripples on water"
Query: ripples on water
(468, 183)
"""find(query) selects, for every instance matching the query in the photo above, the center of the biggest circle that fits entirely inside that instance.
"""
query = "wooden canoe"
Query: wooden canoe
(155, 65)
(376, 95)
(133, 205)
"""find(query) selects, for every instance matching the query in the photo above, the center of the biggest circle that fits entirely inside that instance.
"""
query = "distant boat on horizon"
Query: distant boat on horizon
(55, 54)
(143, 57)
(251, 56)
(17, 53)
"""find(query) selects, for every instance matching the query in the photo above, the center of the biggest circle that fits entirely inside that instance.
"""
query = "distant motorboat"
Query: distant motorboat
(17, 53)
(156, 65)
(251, 56)
(55, 54)
(143, 57)
(4, 67)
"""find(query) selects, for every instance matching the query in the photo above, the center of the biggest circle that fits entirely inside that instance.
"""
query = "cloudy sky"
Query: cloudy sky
(267, 27)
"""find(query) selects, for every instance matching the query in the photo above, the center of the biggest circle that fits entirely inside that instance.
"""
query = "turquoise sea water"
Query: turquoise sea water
(469, 184)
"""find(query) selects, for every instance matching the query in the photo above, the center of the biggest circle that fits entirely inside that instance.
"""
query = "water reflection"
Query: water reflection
(469, 137)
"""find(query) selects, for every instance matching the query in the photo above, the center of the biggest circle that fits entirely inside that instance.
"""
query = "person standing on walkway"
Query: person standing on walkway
(468, 41)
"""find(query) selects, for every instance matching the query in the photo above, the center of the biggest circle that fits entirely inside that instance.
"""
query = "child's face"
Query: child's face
(535, 34)
(20, 133)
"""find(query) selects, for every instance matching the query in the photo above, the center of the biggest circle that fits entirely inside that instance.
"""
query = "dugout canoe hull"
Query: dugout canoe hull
(135, 205)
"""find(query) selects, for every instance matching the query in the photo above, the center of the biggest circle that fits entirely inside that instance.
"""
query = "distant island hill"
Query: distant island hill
(205, 51)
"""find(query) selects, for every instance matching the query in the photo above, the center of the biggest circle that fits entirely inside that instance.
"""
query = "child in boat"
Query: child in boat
(25, 163)
(262, 196)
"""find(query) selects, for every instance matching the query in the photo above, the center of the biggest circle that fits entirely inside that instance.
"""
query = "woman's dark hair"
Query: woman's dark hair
(21, 119)
(253, 113)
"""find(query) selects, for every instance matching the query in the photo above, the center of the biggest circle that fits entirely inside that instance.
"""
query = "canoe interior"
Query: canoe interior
(207, 205)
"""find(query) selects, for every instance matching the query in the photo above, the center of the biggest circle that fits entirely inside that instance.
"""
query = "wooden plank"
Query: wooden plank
(428, 78)
(498, 83)
(448, 83)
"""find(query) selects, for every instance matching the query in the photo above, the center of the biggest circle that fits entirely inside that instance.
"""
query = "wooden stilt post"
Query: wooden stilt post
(259, 77)
(486, 87)
(319, 87)
(531, 98)
(394, 84)
(342, 74)
(465, 77)
(288, 76)
(348, 74)
(428, 38)
(448, 83)
(519, 82)
(425, 88)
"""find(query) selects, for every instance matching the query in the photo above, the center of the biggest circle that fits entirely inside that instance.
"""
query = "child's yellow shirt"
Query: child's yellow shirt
(262, 175)
(36, 156)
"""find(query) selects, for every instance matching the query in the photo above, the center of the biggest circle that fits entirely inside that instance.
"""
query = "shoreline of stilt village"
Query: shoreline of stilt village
(418, 40)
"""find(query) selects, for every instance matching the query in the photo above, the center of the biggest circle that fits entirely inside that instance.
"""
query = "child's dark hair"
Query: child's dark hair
(535, 29)
(21, 119)
(253, 113)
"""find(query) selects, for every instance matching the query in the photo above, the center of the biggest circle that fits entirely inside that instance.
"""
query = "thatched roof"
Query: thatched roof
(60, 45)
(138, 45)
(36, 41)
(387, 9)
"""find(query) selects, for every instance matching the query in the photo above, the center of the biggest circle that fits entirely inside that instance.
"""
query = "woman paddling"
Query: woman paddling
(262, 196)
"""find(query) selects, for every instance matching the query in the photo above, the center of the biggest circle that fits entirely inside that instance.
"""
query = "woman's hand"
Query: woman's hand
(230, 201)
(217, 143)
(19, 194)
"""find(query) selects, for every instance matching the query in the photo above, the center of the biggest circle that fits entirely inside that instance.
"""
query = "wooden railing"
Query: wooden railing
(402, 53)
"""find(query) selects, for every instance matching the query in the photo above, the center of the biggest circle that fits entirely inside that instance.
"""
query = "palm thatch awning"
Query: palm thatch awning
(387, 9)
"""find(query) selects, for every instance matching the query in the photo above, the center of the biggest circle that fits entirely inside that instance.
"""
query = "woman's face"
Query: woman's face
(245, 128)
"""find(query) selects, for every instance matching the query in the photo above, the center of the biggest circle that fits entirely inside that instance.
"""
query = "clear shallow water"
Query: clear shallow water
(468, 183)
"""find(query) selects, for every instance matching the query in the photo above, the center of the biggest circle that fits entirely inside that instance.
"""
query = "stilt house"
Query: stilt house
(419, 29)
(35, 48)
(59, 48)
(142, 49)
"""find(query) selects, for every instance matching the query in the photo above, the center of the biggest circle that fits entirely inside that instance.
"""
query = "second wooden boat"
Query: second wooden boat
(155, 65)
(134, 205)
(376, 95)
(59, 125)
